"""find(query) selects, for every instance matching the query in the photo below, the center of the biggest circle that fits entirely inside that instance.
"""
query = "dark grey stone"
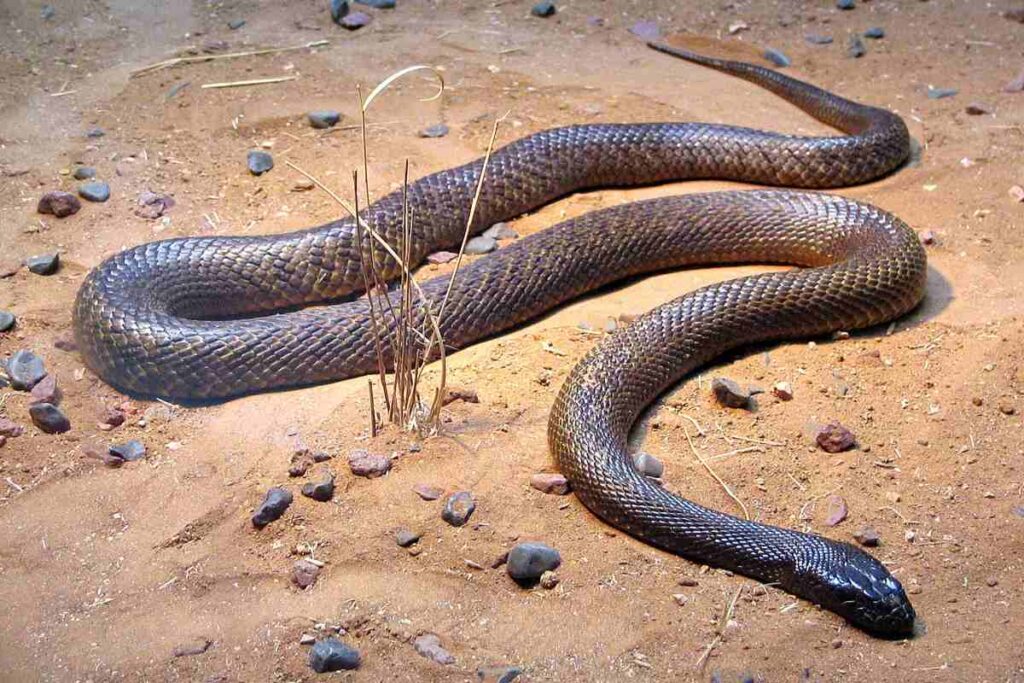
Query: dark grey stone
(481, 244)
(330, 654)
(339, 8)
(378, 4)
(326, 118)
(729, 393)
(875, 33)
(259, 162)
(273, 506)
(856, 49)
(458, 508)
(543, 9)
(49, 418)
(438, 130)
(236, 24)
(527, 561)
(500, 231)
(498, 674)
(24, 369)
(43, 264)
(405, 537)
(7, 321)
(355, 20)
(94, 192)
(129, 450)
(95, 133)
(817, 39)
(941, 93)
(322, 490)
(84, 173)
(47, 12)
(846, 4)
(648, 465)
(777, 58)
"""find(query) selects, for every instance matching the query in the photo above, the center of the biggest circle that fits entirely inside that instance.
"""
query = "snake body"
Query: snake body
(214, 317)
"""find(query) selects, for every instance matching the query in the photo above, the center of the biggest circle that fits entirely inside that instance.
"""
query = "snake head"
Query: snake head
(855, 586)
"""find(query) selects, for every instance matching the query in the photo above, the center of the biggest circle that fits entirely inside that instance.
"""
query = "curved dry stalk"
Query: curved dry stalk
(386, 83)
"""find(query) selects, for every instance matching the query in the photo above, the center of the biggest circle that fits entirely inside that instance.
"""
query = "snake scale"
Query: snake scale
(201, 318)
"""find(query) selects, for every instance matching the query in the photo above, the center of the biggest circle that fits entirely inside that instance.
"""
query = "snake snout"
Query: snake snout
(859, 588)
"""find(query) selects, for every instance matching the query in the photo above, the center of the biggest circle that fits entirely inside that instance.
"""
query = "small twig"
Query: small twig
(230, 55)
(726, 616)
(721, 482)
(760, 441)
(253, 81)
(700, 430)
(373, 410)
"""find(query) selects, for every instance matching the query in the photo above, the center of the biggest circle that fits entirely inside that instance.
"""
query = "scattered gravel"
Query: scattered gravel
(527, 562)
(552, 483)
(729, 393)
(129, 451)
(273, 506)
(24, 369)
(7, 321)
(305, 573)
(46, 391)
(94, 192)
(369, 465)
(438, 130)
(49, 418)
(834, 438)
(867, 537)
(500, 231)
(84, 173)
(259, 162)
(326, 118)
(427, 492)
(43, 264)
(458, 508)
(481, 244)
(322, 490)
(330, 654)
(649, 466)
(58, 203)
(429, 645)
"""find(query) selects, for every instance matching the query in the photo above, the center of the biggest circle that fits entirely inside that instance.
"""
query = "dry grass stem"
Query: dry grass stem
(251, 81)
(176, 61)
(721, 482)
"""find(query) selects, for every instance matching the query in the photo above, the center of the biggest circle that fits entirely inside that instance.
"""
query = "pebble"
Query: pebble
(355, 20)
(9, 428)
(441, 257)
(977, 109)
(152, 205)
(834, 438)
(405, 538)
(46, 391)
(647, 465)
(928, 237)
(95, 132)
(783, 391)
(429, 645)
(273, 506)
(481, 244)
(427, 492)
(438, 130)
(837, 510)
(458, 508)
(991, 582)
(300, 463)
(646, 29)
(497, 674)
(236, 24)
(528, 561)
(687, 581)
(867, 537)
(1007, 408)
(305, 573)
(322, 490)
(729, 393)
(43, 264)
(378, 4)
(330, 654)
(307, 639)
(129, 451)
(856, 49)
(25, 369)
(112, 417)
(339, 8)
(84, 173)
(777, 58)
(845, 4)
(259, 162)
(49, 418)
(7, 321)
(500, 231)
(58, 203)
(817, 39)
(549, 580)
(303, 185)
(941, 93)
(192, 648)
(453, 394)
(550, 482)
(1016, 85)
(47, 12)
(325, 118)
(369, 465)
(875, 33)
(680, 599)
(1017, 193)
(543, 9)
(94, 192)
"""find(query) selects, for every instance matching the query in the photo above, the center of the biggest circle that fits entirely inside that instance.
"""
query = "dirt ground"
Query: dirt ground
(104, 572)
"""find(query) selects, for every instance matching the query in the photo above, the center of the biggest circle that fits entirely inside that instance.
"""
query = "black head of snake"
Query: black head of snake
(200, 318)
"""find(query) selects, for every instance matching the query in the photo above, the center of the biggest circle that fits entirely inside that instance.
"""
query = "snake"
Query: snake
(207, 318)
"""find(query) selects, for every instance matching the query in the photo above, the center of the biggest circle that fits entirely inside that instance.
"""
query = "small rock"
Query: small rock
(307, 639)
(7, 321)
(339, 8)
(928, 237)
(458, 508)
(543, 9)
(438, 130)
(273, 506)
(497, 674)
(84, 173)
(500, 231)
(60, 204)
(1017, 193)
(152, 205)
(46, 391)
(300, 463)
(991, 582)
(777, 58)
(500, 560)
(1006, 407)
(875, 33)
(441, 257)
(429, 645)
(649, 466)
(129, 451)
(687, 581)
(648, 30)
(680, 599)
(548, 580)
(94, 192)
(112, 417)
(941, 93)
(729, 393)
(817, 39)
(738, 27)
(546, 482)
(259, 162)
(236, 24)
(9, 268)
(355, 20)
(837, 510)
(303, 185)
(378, 4)
(325, 118)
(49, 418)
(464, 394)
(369, 465)
(783, 391)
(977, 109)
(856, 48)
(528, 561)
(427, 492)
(405, 538)
(25, 369)
(1016, 85)
(330, 654)
(95, 132)
(845, 4)
(43, 264)
(47, 12)
(193, 648)
(867, 537)
(10, 429)
(321, 491)
(1015, 15)
(305, 573)
(481, 245)
(834, 438)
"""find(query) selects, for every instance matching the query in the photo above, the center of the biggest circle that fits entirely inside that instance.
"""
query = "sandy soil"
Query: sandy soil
(104, 572)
